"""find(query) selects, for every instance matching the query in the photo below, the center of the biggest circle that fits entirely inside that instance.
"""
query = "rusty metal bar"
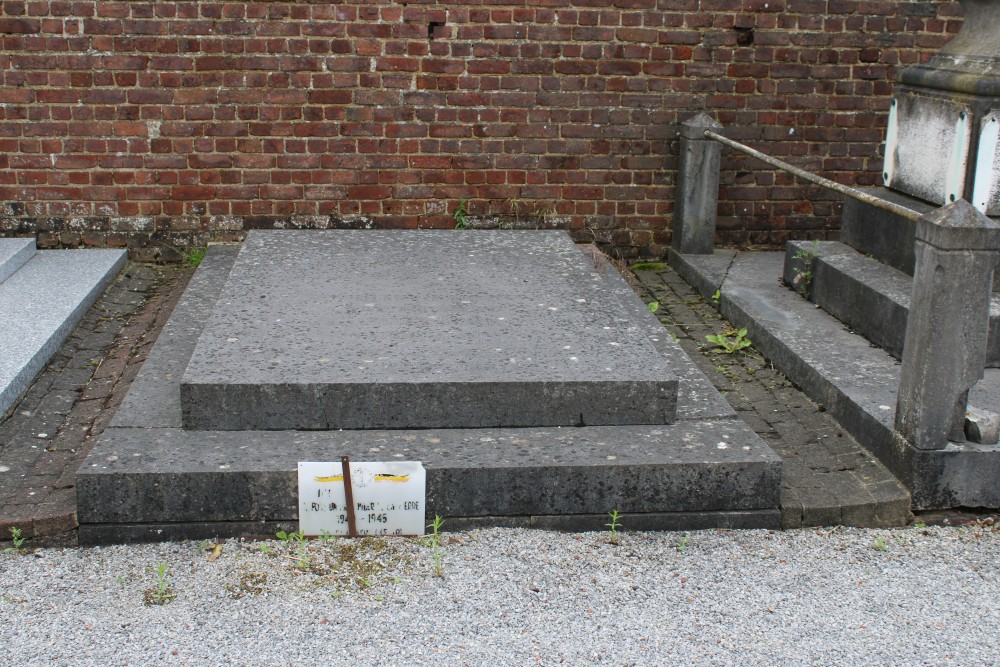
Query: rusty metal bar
(352, 526)
(878, 202)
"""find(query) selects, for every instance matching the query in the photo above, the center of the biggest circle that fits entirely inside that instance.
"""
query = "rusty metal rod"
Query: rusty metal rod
(352, 525)
(878, 202)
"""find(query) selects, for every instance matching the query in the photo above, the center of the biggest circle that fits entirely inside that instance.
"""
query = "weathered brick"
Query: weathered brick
(209, 114)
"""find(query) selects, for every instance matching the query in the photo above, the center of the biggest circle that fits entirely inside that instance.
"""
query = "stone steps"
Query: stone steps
(870, 297)
(150, 478)
(857, 382)
(42, 299)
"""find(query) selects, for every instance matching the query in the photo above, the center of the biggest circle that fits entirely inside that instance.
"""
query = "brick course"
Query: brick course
(156, 124)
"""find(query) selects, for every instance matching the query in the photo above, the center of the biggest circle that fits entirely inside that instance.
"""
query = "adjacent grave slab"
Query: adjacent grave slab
(41, 304)
(13, 254)
(420, 329)
(147, 478)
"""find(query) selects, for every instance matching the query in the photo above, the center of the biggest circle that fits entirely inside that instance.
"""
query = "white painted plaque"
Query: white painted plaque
(927, 148)
(389, 498)
(986, 193)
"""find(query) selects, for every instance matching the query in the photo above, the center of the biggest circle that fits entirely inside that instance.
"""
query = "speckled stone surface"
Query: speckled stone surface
(40, 305)
(421, 329)
(147, 477)
(13, 254)
(228, 476)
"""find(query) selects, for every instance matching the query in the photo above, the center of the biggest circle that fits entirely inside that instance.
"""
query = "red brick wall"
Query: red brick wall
(156, 123)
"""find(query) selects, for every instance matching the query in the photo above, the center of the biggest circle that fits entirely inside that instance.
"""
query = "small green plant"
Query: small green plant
(881, 544)
(461, 214)
(161, 593)
(682, 544)
(437, 553)
(301, 546)
(730, 342)
(17, 538)
(296, 537)
(716, 297)
(804, 260)
(614, 534)
(194, 256)
(653, 306)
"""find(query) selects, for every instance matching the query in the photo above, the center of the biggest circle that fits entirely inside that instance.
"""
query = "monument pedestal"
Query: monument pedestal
(943, 137)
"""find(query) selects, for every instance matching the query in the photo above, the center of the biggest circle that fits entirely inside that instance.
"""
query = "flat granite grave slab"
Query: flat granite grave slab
(148, 478)
(404, 329)
(40, 305)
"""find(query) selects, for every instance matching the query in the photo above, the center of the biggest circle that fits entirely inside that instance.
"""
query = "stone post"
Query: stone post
(697, 188)
(945, 350)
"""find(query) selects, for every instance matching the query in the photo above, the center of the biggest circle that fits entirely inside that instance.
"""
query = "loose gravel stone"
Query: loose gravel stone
(513, 597)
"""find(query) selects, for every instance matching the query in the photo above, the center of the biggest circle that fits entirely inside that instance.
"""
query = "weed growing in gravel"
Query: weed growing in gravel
(437, 553)
(716, 297)
(298, 539)
(250, 582)
(653, 306)
(682, 544)
(161, 593)
(614, 534)
(343, 564)
(730, 342)
(881, 544)
(16, 537)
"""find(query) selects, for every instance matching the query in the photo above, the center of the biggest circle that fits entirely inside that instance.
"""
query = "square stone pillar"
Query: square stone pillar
(697, 188)
(946, 332)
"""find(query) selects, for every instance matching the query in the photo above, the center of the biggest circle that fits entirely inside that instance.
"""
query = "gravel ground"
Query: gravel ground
(925, 595)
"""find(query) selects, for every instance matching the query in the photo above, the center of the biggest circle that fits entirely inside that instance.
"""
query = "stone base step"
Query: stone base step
(148, 478)
(868, 296)
(855, 381)
(40, 305)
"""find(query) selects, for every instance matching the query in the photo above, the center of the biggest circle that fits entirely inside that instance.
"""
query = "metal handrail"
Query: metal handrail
(878, 202)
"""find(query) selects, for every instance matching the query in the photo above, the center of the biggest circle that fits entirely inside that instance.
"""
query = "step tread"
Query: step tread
(868, 296)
